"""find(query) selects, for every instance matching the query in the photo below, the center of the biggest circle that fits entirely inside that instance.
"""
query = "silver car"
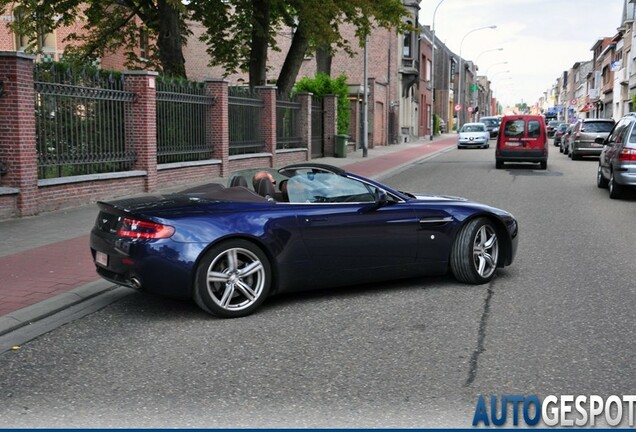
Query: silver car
(617, 162)
(473, 135)
(584, 135)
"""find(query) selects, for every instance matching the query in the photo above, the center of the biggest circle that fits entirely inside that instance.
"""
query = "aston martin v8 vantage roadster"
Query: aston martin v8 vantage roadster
(304, 226)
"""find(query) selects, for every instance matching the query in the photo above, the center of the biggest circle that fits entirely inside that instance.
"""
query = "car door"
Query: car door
(612, 147)
(344, 228)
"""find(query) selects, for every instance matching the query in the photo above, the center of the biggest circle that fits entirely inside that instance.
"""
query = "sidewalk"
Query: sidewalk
(46, 266)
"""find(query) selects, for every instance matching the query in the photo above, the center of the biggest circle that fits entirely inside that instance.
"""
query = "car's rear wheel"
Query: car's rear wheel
(615, 190)
(475, 252)
(601, 182)
(232, 279)
(543, 165)
(498, 164)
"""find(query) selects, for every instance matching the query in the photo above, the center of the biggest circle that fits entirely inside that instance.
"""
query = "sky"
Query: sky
(540, 38)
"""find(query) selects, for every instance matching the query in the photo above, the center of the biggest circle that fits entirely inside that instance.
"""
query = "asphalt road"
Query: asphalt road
(413, 354)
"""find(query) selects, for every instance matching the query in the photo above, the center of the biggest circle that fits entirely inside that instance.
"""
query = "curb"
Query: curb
(30, 314)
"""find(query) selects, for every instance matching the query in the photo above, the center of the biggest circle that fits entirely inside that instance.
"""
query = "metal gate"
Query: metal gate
(317, 128)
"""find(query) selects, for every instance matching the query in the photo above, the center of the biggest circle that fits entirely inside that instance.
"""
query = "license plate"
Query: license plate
(101, 258)
(513, 144)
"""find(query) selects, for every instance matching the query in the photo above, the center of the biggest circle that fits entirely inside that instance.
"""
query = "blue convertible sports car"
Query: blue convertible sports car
(228, 248)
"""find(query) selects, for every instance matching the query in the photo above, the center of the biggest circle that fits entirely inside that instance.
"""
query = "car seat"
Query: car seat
(238, 181)
(265, 188)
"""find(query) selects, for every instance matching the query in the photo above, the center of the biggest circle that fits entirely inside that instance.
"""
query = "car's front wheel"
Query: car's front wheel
(475, 252)
(232, 279)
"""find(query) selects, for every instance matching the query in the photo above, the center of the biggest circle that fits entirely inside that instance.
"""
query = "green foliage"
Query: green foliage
(322, 85)
(436, 124)
(108, 26)
(633, 101)
(230, 28)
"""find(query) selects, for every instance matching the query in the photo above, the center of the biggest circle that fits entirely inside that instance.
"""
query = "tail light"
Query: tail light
(627, 155)
(135, 228)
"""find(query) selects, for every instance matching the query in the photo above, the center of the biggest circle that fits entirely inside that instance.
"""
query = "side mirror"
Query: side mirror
(381, 198)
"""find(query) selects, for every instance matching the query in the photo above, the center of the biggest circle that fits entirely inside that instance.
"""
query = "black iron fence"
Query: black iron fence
(182, 121)
(287, 124)
(244, 118)
(79, 115)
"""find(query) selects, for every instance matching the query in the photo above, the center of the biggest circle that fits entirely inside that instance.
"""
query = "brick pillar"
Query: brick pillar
(141, 122)
(331, 124)
(18, 145)
(268, 119)
(219, 130)
(304, 120)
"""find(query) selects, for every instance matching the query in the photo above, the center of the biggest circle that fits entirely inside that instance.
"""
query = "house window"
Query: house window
(45, 42)
(143, 44)
(429, 67)
(406, 48)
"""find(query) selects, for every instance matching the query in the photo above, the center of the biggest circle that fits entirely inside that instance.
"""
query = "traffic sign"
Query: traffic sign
(574, 102)
(470, 109)
(458, 107)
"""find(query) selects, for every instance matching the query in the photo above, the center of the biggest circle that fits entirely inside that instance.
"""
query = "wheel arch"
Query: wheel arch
(505, 257)
(252, 239)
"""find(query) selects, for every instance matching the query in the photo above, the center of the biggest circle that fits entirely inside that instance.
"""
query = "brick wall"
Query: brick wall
(21, 193)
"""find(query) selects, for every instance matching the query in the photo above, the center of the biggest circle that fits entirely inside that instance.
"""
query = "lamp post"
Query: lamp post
(487, 51)
(433, 70)
(493, 65)
(461, 72)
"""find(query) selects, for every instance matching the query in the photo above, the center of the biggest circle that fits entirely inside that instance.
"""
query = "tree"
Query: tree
(239, 32)
(110, 25)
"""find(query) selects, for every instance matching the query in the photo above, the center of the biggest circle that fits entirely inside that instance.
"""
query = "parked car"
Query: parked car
(473, 135)
(229, 248)
(522, 138)
(442, 126)
(583, 139)
(492, 125)
(564, 147)
(558, 134)
(617, 161)
(551, 127)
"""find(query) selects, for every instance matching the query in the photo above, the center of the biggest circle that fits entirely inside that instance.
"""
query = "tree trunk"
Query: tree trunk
(169, 41)
(258, 48)
(293, 62)
(323, 60)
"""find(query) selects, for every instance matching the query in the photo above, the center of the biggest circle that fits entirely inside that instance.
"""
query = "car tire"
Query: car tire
(475, 252)
(487, 145)
(232, 279)
(574, 156)
(601, 182)
(498, 164)
(543, 165)
(615, 190)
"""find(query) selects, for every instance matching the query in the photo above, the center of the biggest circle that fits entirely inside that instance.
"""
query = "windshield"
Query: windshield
(473, 128)
(597, 127)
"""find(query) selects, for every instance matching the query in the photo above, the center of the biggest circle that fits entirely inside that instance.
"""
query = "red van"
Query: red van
(522, 138)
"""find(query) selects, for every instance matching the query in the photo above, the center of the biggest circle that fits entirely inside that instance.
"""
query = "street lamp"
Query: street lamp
(498, 73)
(461, 72)
(487, 51)
(493, 65)
(433, 69)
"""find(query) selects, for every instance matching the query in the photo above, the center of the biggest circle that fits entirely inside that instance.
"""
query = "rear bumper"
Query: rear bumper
(625, 175)
(521, 155)
(582, 149)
